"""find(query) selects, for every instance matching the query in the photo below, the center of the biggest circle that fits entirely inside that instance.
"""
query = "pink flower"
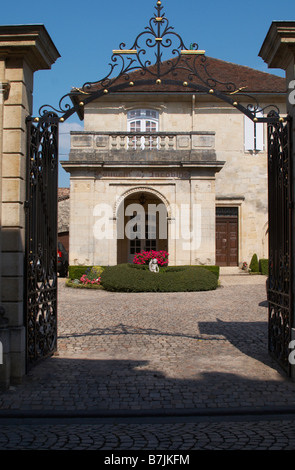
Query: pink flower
(141, 258)
(84, 279)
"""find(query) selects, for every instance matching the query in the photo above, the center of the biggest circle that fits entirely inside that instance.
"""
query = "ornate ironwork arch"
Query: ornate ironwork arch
(146, 58)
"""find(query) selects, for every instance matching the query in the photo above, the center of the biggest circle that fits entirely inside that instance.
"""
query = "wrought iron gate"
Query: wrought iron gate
(190, 70)
(280, 241)
(41, 238)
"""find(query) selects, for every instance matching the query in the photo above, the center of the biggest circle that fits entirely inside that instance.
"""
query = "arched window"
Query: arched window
(143, 120)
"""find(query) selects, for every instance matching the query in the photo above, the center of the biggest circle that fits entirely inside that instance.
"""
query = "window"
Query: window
(254, 140)
(226, 211)
(143, 120)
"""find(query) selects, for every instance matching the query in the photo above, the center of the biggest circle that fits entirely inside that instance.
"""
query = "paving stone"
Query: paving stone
(159, 352)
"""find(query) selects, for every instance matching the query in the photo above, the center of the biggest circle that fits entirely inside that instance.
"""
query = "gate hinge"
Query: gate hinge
(26, 205)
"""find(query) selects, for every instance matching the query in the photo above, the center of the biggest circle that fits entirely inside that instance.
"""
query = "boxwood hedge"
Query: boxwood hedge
(128, 278)
(254, 264)
(263, 266)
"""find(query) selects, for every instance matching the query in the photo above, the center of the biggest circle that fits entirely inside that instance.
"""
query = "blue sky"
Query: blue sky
(86, 33)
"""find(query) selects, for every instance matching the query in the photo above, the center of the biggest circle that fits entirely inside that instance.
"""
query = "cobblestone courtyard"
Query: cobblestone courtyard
(158, 351)
(159, 354)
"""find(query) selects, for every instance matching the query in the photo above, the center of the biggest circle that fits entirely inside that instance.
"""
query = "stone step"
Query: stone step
(231, 270)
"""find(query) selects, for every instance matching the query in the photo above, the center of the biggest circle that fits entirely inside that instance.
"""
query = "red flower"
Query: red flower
(161, 256)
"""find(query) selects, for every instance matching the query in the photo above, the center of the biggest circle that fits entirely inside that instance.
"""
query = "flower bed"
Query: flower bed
(145, 256)
(90, 279)
(85, 280)
(137, 278)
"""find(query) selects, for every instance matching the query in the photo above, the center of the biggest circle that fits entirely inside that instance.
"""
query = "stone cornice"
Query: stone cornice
(278, 48)
(73, 167)
(30, 42)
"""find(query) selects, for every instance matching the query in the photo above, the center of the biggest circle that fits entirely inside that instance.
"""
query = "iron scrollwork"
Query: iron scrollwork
(280, 240)
(187, 66)
(41, 240)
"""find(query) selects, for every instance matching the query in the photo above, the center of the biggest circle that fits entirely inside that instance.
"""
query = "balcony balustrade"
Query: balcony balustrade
(133, 141)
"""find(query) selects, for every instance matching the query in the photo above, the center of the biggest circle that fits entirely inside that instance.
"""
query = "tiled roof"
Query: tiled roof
(224, 72)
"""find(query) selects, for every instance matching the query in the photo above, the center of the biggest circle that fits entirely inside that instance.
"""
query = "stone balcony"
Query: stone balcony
(136, 148)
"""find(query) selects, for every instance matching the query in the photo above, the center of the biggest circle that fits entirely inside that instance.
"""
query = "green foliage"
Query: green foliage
(213, 269)
(254, 265)
(263, 266)
(94, 272)
(76, 272)
(127, 278)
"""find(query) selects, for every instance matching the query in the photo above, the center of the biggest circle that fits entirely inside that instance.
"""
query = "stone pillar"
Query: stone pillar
(24, 49)
(278, 51)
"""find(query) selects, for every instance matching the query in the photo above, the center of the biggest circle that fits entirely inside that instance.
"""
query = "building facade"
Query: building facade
(63, 216)
(165, 167)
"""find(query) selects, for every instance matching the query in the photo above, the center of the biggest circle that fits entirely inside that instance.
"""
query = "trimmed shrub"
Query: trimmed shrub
(213, 269)
(254, 265)
(75, 272)
(126, 278)
(263, 266)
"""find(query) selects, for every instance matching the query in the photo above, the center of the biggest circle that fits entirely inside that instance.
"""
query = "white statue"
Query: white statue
(153, 265)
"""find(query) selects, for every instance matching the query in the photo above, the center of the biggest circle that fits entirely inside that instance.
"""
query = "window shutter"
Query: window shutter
(253, 133)
(248, 133)
(259, 133)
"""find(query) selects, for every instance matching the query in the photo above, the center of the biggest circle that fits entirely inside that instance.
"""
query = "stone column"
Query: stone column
(4, 89)
(278, 51)
(4, 331)
(24, 49)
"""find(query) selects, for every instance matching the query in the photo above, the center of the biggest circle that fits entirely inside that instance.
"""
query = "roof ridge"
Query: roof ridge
(220, 71)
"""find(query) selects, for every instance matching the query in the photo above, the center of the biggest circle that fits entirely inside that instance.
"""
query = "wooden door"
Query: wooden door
(226, 241)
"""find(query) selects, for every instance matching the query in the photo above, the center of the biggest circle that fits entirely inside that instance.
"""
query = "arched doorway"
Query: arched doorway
(141, 225)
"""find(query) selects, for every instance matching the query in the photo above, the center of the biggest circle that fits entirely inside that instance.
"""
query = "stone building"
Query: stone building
(63, 216)
(199, 161)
